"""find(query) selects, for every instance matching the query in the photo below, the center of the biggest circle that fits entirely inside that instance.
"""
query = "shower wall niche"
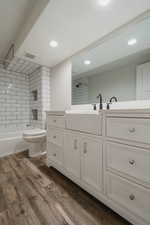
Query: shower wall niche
(34, 95)
(34, 114)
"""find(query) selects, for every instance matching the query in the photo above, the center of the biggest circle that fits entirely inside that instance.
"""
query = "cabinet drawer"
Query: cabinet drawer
(55, 153)
(132, 161)
(85, 123)
(132, 129)
(133, 197)
(57, 121)
(56, 136)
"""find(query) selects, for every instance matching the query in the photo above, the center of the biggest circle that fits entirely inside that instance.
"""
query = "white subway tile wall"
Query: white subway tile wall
(14, 100)
(45, 93)
(40, 81)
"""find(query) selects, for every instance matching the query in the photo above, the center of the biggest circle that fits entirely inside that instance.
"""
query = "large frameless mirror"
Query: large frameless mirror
(120, 66)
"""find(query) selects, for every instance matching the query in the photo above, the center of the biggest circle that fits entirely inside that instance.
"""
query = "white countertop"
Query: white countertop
(56, 113)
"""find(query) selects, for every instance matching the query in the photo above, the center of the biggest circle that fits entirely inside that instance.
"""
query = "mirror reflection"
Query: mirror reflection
(120, 67)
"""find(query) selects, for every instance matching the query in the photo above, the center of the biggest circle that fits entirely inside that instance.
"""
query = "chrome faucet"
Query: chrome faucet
(100, 101)
(113, 98)
(111, 101)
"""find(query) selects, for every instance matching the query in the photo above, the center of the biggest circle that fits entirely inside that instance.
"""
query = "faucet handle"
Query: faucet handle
(99, 96)
(94, 106)
(113, 98)
(108, 105)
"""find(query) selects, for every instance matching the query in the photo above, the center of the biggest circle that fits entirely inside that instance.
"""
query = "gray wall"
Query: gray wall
(80, 95)
(119, 82)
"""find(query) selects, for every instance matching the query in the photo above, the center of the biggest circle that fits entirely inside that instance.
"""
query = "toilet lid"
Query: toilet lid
(34, 132)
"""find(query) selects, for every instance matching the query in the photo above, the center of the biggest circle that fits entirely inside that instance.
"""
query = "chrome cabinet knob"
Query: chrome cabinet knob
(132, 130)
(131, 197)
(54, 136)
(132, 162)
(54, 154)
(54, 121)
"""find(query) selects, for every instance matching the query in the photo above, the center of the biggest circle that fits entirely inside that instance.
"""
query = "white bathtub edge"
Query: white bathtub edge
(12, 145)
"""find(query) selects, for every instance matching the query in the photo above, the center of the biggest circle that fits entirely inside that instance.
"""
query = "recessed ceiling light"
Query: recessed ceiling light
(104, 2)
(132, 41)
(87, 62)
(53, 44)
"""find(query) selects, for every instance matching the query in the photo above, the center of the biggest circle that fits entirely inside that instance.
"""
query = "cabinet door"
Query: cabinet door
(72, 154)
(91, 162)
(55, 153)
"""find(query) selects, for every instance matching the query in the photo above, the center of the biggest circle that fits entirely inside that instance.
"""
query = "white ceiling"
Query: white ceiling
(115, 49)
(12, 16)
(75, 24)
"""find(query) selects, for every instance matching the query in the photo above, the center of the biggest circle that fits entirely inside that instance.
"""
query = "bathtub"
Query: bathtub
(11, 142)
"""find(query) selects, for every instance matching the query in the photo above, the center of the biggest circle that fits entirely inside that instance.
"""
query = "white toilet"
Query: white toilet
(37, 141)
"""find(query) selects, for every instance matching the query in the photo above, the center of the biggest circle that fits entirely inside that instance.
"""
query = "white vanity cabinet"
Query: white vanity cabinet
(74, 149)
(83, 158)
(72, 154)
(127, 163)
(108, 155)
(130, 129)
(130, 197)
(84, 122)
(56, 121)
(91, 162)
(83, 148)
(55, 139)
(54, 154)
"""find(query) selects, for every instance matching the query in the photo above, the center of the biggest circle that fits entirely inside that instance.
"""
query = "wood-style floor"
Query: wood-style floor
(32, 194)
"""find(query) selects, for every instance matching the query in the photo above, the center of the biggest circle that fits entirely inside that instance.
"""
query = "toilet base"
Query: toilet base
(36, 149)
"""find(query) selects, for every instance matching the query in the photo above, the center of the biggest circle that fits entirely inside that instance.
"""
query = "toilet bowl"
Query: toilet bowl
(36, 139)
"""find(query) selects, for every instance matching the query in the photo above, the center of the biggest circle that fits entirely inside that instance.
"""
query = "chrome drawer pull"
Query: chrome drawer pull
(54, 137)
(132, 130)
(85, 148)
(132, 162)
(75, 144)
(54, 154)
(131, 197)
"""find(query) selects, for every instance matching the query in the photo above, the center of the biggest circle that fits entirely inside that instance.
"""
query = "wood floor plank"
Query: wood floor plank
(18, 206)
(42, 204)
(33, 194)
(22, 214)
(3, 205)
(51, 198)
(5, 218)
